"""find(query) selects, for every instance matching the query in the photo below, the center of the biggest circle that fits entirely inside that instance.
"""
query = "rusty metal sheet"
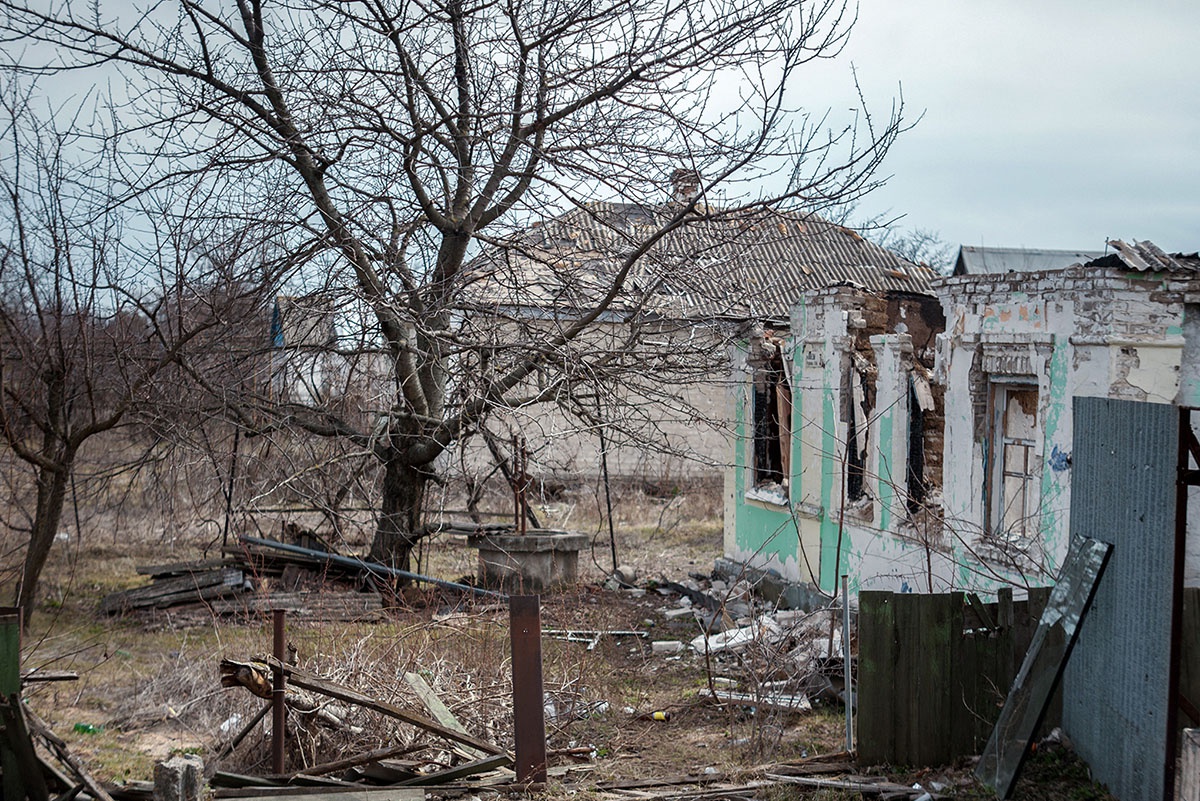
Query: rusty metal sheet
(1030, 694)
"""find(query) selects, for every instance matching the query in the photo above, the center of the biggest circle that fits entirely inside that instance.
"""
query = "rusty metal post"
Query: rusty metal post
(278, 711)
(529, 723)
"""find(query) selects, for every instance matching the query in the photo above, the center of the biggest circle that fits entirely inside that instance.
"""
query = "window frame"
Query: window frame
(1001, 391)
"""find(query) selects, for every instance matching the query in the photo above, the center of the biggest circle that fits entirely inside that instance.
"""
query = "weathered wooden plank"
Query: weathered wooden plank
(1189, 766)
(907, 725)
(932, 705)
(341, 794)
(172, 590)
(438, 709)
(59, 747)
(876, 673)
(863, 787)
(10, 682)
(307, 681)
(1189, 649)
(327, 606)
(182, 568)
(491, 762)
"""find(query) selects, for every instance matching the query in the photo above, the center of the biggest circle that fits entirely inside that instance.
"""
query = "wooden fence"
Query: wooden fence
(934, 671)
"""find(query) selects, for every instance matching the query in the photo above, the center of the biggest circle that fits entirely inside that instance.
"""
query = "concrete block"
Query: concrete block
(532, 562)
(180, 778)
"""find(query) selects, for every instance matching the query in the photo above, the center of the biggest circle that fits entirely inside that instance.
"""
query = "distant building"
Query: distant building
(699, 288)
(998, 261)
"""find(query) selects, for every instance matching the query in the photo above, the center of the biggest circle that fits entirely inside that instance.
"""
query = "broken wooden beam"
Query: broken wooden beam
(439, 710)
(308, 681)
(59, 747)
(36, 675)
(484, 765)
(864, 785)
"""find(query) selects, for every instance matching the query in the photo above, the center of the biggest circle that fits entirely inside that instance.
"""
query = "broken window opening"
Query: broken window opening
(860, 398)
(917, 486)
(772, 419)
(920, 403)
(1013, 475)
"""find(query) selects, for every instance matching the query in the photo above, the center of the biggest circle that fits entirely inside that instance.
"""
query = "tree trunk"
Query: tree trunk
(398, 529)
(52, 493)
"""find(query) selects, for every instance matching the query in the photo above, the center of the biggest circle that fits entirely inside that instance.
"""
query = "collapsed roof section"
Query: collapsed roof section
(739, 264)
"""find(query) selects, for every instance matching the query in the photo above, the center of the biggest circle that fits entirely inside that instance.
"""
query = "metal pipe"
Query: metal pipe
(370, 567)
(278, 711)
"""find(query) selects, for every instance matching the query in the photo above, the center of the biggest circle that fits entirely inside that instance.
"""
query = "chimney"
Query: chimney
(685, 184)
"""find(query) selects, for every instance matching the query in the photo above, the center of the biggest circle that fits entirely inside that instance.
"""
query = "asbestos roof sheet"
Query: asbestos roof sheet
(997, 261)
(745, 263)
(1145, 256)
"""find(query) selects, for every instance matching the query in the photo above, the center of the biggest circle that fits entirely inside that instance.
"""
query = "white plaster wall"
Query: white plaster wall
(1110, 338)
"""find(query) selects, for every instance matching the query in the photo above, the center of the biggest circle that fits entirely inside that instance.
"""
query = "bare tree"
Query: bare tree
(920, 246)
(392, 139)
(87, 321)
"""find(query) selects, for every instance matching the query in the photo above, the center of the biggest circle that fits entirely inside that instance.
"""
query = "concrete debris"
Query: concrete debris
(762, 629)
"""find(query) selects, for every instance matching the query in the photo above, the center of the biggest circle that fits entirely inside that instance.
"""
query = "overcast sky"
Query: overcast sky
(1051, 124)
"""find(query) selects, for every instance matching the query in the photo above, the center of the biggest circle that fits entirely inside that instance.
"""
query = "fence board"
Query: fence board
(876, 670)
(932, 677)
(1189, 652)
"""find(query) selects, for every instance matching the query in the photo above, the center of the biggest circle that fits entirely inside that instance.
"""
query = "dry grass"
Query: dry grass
(150, 684)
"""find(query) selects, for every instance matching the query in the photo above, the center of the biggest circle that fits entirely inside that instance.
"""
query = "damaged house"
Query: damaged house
(921, 443)
(650, 384)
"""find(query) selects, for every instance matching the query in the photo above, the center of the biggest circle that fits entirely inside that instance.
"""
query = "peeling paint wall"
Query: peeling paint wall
(1074, 332)
(1059, 334)
(852, 356)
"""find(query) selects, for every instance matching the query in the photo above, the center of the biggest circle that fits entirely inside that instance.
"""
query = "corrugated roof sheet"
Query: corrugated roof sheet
(997, 261)
(746, 263)
(1145, 256)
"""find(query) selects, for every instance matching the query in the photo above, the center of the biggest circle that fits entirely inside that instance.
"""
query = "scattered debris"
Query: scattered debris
(260, 575)
(590, 636)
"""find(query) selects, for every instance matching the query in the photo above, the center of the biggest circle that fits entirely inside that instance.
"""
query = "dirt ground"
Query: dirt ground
(148, 685)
